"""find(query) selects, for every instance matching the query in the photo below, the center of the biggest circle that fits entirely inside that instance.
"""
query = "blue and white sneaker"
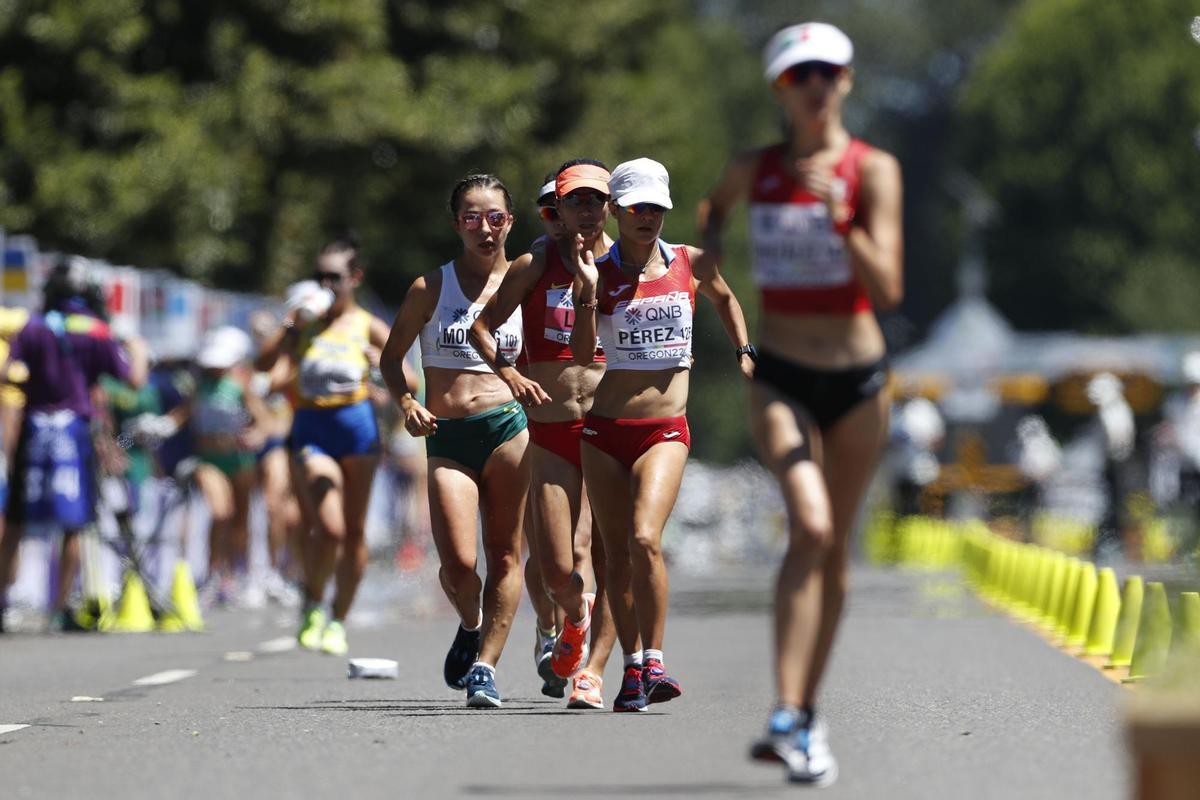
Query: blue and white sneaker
(462, 654)
(810, 761)
(776, 747)
(552, 685)
(481, 689)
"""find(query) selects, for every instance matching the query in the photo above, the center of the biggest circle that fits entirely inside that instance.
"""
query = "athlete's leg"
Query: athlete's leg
(654, 483)
(323, 485)
(302, 536)
(555, 490)
(282, 512)
(454, 516)
(504, 484)
(359, 475)
(543, 605)
(851, 449)
(242, 484)
(788, 444)
(604, 632)
(217, 492)
(608, 485)
(68, 568)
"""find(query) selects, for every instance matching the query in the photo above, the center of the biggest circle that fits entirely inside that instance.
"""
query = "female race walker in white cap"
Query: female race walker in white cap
(826, 238)
(640, 297)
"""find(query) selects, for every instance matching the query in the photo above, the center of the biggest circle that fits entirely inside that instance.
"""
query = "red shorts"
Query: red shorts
(627, 439)
(560, 438)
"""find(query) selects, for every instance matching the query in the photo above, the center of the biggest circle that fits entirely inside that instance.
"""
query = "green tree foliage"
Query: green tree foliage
(1082, 122)
(226, 140)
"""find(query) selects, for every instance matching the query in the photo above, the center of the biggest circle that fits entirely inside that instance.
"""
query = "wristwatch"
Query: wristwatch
(747, 350)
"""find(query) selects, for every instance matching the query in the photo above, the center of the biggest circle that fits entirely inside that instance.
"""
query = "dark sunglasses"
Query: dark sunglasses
(584, 199)
(320, 276)
(473, 220)
(800, 73)
(548, 213)
(637, 209)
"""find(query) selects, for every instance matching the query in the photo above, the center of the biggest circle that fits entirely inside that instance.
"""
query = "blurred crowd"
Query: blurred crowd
(103, 435)
(1110, 473)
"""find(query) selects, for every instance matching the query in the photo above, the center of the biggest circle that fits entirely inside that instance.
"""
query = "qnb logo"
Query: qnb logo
(633, 316)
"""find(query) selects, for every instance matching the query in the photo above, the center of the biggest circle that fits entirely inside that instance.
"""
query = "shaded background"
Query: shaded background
(225, 140)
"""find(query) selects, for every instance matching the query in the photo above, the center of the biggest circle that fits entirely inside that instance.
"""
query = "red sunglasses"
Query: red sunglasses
(473, 220)
(548, 213)
(637, 209)
(800, 73)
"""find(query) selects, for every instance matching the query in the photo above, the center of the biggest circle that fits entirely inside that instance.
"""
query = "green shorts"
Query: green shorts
(230, 462)
(470, 441)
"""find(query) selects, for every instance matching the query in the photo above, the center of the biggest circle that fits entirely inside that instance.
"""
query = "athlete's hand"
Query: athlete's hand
(527, 392)
(583, 264)
(418, 421)
(817, 177)
(746, 365)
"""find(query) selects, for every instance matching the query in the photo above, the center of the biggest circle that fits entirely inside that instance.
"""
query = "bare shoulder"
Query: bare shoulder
(879, 165)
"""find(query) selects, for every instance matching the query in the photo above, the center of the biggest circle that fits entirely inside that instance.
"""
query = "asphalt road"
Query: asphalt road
(931, 695)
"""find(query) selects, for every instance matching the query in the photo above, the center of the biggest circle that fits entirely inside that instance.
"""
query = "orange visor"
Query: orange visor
(581, 176)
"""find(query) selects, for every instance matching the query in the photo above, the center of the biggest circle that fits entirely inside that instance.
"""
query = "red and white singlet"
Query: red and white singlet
(548, 314)
(647, 324)
(800, 259)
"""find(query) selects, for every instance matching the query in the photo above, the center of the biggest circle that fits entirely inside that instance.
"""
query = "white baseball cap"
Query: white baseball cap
(812, 41)
(223, 347)
(642, 180)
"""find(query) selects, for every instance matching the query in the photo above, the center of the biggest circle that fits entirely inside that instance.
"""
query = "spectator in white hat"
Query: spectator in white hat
(825, 230)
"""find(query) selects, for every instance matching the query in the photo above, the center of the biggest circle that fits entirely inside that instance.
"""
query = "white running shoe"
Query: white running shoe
(810, 761)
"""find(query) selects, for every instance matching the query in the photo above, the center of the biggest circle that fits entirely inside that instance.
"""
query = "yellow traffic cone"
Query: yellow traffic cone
(1103, 628)
(1154, 634)
(133, 612)
(1127, 627)
(1085, 603)
(184, 614)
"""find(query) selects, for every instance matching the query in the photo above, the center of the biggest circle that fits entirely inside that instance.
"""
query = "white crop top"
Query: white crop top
(445, 339)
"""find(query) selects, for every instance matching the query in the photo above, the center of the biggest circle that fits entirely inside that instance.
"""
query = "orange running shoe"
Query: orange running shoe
(587, 691)
(571, 649)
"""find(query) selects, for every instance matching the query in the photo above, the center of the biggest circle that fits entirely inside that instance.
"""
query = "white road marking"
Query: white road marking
(83, 698)
(280, 645)
(239, 655)
(168, 676)
(11, 728)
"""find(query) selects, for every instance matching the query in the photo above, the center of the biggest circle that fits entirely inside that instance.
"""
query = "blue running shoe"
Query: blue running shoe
(552, 685)
(777, 745)
(632, 696)
(481, 689)
(463, 653)
(660, 687)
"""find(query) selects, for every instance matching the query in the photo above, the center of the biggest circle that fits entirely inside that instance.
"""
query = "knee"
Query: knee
(558, 581)
(505, 560)
(646, 544)
(810, 540)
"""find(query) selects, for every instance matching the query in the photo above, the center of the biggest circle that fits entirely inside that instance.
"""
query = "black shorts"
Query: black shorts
(827, 394)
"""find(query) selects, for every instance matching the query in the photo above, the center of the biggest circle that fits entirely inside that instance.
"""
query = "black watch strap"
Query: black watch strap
(747, 350)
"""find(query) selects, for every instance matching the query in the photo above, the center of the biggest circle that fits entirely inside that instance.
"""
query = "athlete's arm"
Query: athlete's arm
(713, 211)
(416, 310)
(710, 284)
(585, 291)
(279, 343)
(518, 283)
(877, 249)
(255, 434)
